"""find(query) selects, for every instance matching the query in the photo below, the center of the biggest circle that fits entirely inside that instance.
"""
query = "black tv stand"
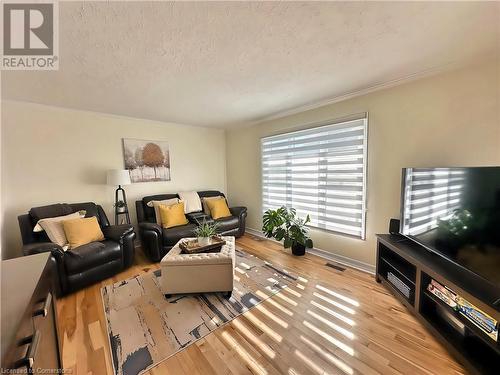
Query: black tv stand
(406, 269)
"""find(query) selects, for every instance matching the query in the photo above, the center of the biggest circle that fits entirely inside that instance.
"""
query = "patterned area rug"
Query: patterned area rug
(145, 328)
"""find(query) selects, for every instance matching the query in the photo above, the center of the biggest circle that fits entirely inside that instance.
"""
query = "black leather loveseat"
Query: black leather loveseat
(157, 241)
(85, 264)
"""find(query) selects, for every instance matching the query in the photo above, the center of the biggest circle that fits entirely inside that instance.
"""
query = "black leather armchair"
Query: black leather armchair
(86, 264)
(157, 241)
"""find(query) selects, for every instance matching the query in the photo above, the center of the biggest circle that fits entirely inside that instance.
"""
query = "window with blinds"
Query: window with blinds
(430, 195)
(320, 172)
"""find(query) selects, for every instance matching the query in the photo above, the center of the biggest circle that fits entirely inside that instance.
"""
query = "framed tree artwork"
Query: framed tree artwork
(146, 161)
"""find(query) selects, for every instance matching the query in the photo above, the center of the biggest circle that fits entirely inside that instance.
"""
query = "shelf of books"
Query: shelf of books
(469, 328)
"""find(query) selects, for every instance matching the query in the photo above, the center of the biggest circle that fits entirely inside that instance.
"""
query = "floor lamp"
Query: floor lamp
(119, 177)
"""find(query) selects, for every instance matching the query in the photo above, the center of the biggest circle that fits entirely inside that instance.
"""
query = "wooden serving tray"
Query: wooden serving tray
(192, 246)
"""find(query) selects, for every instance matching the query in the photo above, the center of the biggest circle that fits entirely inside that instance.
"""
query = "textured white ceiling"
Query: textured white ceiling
(227, 64)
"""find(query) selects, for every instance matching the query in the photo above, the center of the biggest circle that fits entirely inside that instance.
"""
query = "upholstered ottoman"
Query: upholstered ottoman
(198, 273)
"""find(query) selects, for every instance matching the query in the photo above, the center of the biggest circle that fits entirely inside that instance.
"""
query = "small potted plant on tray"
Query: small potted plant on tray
(205, 231)
(282, 224)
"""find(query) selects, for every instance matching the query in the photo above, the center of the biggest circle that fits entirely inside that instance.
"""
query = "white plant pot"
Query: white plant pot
(204, 241)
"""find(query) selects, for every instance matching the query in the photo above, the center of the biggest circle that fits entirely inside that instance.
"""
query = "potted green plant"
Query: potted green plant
(120, 206)
(283, 225)
(205, 231)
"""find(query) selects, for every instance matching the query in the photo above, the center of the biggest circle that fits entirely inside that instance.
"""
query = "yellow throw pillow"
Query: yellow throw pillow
(218, 208)
(82, 231)
(206, 210)
(173, 215)
(156, 206)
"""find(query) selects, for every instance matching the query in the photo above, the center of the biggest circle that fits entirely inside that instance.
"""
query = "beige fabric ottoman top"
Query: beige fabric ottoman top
(198, 273)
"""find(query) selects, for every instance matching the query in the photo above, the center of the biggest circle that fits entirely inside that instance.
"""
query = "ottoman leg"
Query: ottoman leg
(228, 294)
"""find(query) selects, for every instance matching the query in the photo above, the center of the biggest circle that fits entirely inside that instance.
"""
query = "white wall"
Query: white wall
(451, 119)
(52, 155)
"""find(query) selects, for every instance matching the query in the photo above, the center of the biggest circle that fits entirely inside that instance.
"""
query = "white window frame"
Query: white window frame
(343, 121)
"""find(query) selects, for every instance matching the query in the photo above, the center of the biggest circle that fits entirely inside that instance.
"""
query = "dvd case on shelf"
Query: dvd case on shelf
(443, 293)
(479, 318)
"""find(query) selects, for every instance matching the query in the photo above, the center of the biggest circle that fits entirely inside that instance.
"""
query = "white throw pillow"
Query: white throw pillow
(53, 226)
(156, 206)
(192, 201)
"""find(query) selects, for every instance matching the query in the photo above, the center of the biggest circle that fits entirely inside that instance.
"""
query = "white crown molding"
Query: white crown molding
(356, 93)
(106, 114)
(346, 261)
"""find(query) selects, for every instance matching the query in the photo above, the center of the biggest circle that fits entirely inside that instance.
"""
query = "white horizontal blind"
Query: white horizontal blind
(320, 172)
(430, 194)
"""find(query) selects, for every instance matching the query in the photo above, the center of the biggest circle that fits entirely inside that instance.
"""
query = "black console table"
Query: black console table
(406, 269)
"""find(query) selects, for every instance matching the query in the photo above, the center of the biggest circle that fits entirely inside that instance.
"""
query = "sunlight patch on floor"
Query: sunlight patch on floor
(245, 266)
(328, 356)
(239, 270)
(339, 344)
(274, 303)
(293, 292)
(263, 327)
(262, 346)
(309, 363)
(302, 280)
(284, 298)
(335, 303)
(247, 357)
(332, 325)
(334, 313)
(338, 295)
(271, 316)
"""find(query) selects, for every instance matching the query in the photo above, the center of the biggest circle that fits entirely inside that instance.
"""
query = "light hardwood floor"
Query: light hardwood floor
(331, 322)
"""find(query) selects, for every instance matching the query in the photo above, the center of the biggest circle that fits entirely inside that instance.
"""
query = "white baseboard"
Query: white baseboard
(346, 261)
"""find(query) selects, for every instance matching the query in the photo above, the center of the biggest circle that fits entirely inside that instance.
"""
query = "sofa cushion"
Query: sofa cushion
(156, 206)
(52, 210)
(80, 232)
(149, 212)
(53, 227)
(91, 255)
(191, 199)
(173, 215)
(204, 200)
(218, 209)
(210, 193)
(227, 223)
(172, 235)
(90, 208)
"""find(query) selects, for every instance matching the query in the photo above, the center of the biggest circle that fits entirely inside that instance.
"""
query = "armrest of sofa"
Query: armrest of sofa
(152, 239)
(238, 211)
(43, 247)
(57, 260)
(123, 234)
(117, 232)
(147, 226)
(241, 214)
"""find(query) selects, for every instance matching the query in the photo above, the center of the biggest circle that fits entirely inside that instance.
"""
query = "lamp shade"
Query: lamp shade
(118, 177)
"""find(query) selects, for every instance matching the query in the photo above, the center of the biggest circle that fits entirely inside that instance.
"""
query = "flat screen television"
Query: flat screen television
(455, 212)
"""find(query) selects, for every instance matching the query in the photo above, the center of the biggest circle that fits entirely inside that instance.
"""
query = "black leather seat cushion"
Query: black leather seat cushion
(227, 223)
(91, 255)
(172, 235)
